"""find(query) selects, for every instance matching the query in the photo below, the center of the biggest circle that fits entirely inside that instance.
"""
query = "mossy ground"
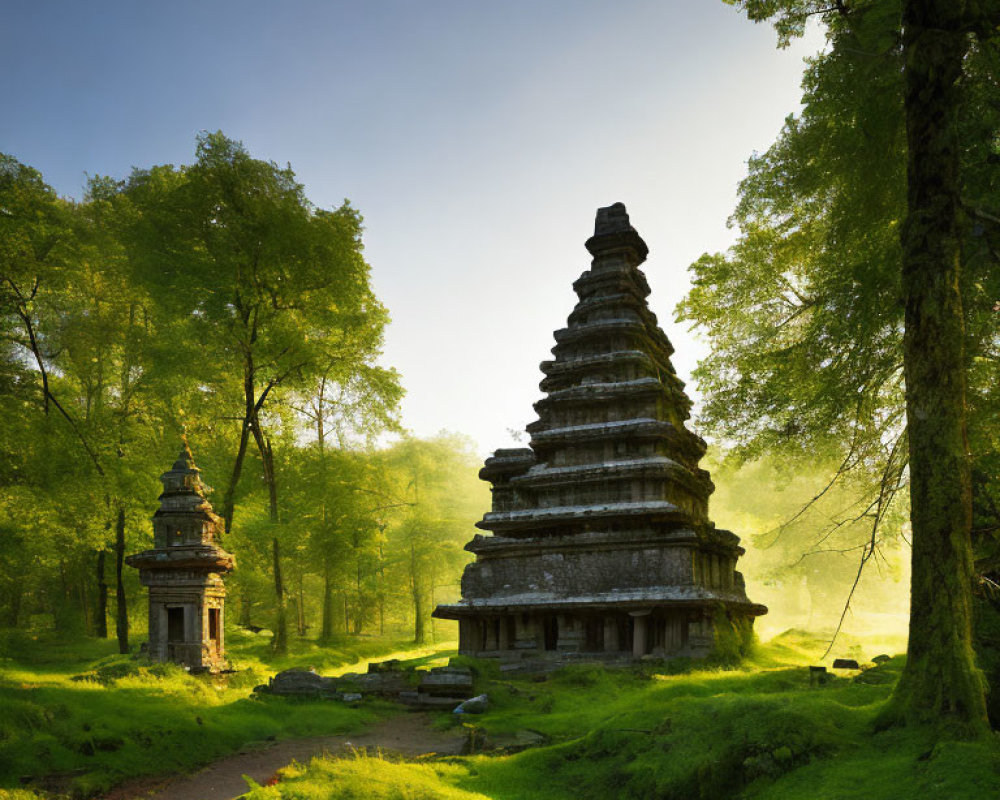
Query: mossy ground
(760, 732)
(663, 731)
(77, 718)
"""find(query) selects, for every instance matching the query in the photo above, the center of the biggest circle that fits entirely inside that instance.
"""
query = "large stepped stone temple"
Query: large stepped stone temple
(600, 538)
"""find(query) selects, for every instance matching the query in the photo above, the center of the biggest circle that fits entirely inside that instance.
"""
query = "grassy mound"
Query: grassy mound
(758, 732)
(77, 718)
(364, 777)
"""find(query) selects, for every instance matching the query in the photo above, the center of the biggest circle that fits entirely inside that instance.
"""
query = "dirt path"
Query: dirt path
(408, 734)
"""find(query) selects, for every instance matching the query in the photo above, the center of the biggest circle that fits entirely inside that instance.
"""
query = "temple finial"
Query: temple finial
(613, 233)
(612, 219)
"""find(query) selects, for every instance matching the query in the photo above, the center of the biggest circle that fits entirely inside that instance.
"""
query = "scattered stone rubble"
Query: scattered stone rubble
(300, 682)
(440, 687)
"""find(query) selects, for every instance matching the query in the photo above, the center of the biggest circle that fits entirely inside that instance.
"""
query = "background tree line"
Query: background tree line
(212, 298)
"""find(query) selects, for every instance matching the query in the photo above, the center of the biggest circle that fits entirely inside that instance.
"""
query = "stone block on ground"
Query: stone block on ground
(447, 682)
(419, 700)
(474, 705)
(301, 682)
(389, 683)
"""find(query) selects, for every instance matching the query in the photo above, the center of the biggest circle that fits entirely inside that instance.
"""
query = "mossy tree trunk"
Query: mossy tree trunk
(940, 683)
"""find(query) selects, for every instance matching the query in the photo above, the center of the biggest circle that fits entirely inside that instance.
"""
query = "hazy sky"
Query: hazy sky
(477, 139)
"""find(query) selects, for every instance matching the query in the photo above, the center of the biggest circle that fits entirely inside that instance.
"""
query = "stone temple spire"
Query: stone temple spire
(601, 541)
(184, 572)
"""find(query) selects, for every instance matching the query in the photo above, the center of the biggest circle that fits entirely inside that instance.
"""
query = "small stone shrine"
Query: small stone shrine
(600, 539)
(184, 573)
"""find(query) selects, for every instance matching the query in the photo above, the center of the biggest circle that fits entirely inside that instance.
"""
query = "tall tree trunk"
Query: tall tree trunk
(419, 617)
(327, 633)
(61, 612)
(381, 580)
(280, 641)
(121, 609)
(101, 611)
(940, 683)
(229, 499)
(301, 617)
(85, 610)
(359, 617)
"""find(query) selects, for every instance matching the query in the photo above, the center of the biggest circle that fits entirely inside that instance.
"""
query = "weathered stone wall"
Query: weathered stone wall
(573, 573)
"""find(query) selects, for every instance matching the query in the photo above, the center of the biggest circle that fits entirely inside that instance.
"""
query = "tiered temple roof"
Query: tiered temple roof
(608, 508)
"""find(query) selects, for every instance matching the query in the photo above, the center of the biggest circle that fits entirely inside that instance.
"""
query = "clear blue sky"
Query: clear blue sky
(477, 138)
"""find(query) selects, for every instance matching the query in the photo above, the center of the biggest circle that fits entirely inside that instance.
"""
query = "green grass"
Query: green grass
(78, 718)
(363, 777)
(660, 731)
(755, 733)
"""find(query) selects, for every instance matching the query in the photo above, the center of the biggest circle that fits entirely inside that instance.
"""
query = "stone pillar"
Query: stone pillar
(503, 641)
(222, 626)
(639, 632)
(610, 635)
(160, 644)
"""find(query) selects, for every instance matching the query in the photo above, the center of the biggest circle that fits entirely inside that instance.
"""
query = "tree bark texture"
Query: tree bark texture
(121, 609)
(940, 683)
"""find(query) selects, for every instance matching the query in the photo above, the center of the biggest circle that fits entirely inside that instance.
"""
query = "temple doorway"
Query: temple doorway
(551, 632)
(175, 625)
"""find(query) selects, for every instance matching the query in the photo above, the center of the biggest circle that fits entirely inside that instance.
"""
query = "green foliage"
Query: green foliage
(804, 313)
(212, 297)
